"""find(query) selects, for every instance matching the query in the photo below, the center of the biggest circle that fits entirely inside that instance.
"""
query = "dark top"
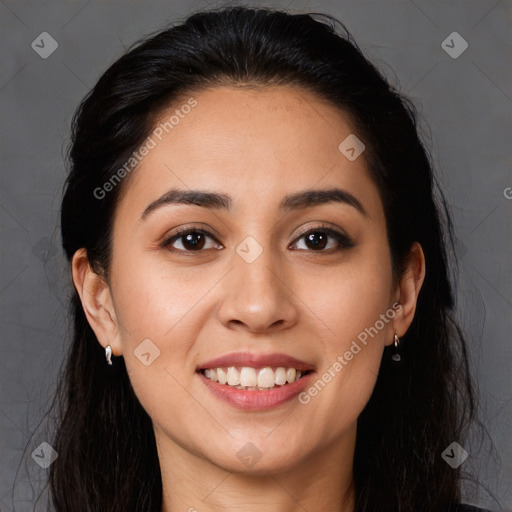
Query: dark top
(470, 508)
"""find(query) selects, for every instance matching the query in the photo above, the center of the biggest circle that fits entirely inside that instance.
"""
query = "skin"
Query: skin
(257, 145)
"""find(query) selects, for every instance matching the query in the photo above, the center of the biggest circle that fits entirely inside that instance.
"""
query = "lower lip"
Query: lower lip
(254, 400)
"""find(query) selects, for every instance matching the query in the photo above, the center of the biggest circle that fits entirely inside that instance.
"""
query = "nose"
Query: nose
(258, 296)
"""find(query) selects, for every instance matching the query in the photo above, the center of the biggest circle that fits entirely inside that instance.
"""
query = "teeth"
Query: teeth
(291, 374)
(211, 374)
(248, 378)
(280, 375)
(233, 376)
(266, 378)
(221, 375)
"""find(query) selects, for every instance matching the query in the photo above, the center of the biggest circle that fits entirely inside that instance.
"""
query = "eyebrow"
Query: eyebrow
(218, 201)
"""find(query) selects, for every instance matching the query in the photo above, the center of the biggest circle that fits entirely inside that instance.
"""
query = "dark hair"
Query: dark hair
(416, 410)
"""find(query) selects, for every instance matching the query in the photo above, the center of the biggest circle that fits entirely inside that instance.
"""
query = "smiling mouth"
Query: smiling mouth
(254, 379)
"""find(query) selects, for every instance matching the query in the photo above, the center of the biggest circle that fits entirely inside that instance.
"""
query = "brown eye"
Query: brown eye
(190, 240)
(318, 239)
(193, 241)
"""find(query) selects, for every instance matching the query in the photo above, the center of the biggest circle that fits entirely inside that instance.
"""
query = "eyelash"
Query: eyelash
(343, 240)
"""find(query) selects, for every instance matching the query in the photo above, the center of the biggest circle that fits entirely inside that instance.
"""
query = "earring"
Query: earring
(396, 357)
(108, 354)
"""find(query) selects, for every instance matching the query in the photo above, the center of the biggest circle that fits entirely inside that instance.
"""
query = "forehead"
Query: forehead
(256, 143)
(276, 123)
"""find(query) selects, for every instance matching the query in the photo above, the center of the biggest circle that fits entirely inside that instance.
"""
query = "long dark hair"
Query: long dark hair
(107, 455)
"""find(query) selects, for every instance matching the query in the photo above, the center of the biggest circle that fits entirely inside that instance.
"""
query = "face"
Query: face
(261, 282)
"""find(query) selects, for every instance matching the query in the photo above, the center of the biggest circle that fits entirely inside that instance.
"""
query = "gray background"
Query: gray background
(465, 103)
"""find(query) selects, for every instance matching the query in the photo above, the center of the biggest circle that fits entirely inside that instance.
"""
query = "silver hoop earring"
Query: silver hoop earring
(396, 357)
(108, 354)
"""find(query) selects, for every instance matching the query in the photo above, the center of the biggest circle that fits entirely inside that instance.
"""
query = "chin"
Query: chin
(259, 458)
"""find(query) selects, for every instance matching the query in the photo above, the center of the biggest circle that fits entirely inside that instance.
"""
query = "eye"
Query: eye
(191, 240)
(317, 240)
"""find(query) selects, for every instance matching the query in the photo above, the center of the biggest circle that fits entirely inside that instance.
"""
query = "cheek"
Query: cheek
(160, 323)
(354, 320)
(161, 311)
(350, 298)
(152, 299)
(153, 310)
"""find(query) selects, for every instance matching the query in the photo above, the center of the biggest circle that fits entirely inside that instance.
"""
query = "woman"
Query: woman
(262, 305)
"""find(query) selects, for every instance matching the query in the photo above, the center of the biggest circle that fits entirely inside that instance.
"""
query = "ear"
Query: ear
(96, 301)
(408, 290)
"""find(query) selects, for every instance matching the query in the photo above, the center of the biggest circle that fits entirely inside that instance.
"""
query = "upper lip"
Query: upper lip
(256, 361)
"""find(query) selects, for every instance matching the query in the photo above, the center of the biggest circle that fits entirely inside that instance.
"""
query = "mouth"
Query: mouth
(248, 378)
(255, 382)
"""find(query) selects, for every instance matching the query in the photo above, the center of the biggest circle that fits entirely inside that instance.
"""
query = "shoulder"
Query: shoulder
(470, 508)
